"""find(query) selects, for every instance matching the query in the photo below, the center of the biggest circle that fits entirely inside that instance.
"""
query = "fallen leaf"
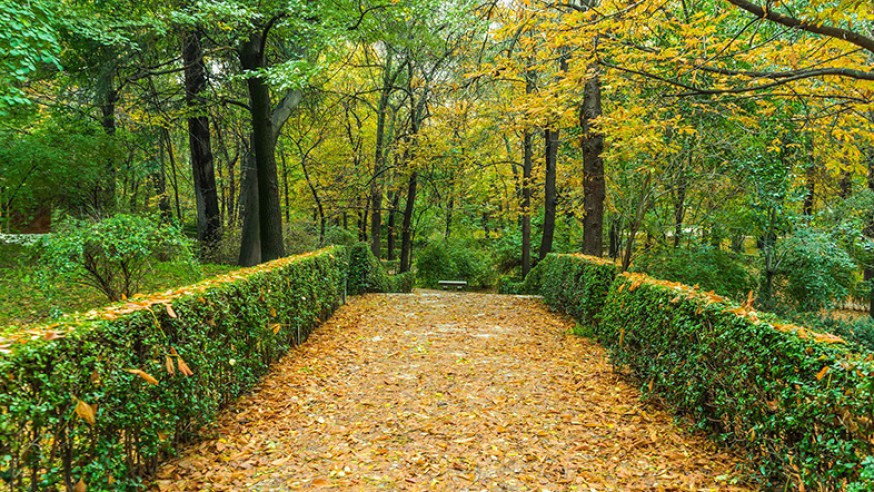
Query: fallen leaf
(146, 377)
(85, 411)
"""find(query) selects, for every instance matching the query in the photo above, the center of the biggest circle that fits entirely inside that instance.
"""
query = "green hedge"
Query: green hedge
(367, 274)
(576, 284)
(103, 398)
(799, 402)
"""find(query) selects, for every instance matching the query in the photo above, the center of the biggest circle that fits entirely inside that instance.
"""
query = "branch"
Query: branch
(830, 31)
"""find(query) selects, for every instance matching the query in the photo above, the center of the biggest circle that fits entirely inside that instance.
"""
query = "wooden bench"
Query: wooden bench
(458, 284)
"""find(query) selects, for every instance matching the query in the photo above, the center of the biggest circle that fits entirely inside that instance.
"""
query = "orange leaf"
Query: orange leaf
(272, 313)
(275, 327)
(183, 367)
(80, 486)
(85, 411)
(821, 374)
(149, 379)
(168, 363)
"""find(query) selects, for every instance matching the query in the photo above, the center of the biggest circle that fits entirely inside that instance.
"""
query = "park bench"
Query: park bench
(458, 284)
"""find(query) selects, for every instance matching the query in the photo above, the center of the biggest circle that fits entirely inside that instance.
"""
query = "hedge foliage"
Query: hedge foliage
(800, 403)
(367, 274)
(101, 399)
(576, 284)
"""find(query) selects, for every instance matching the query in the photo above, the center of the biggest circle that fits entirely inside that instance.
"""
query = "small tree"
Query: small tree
(113, 255)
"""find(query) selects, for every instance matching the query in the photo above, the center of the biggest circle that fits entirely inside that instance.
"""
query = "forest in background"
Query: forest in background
(725, 143)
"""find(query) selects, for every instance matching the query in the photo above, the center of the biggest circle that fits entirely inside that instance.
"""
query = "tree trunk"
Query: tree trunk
(106, 199)
(250, 241)
(407, 228)
(527, 167)
(159, 181)
(550, 201)
(594, 187)
(173, 174)
(269, 215)
(209, 221)
(379, 160)
(392, 219)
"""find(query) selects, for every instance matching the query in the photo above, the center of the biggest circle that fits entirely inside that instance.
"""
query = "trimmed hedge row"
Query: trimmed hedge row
(800, 403)
(98, 401)
(367, 274)
(576, 284)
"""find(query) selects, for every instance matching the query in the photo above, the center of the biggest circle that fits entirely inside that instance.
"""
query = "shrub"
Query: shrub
(103, 398)
(705, 266)
(365, 272)
(454, 260)
(816, 270)
(859, 330)
(799, 402)
(112, 255)
(576, 284)
(402, 283)
(532, 283)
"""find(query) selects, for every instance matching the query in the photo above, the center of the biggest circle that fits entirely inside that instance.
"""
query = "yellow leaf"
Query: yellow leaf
(85, 411)
(272, 313)
(183, 367)
(168, 362)
(149, 379)
(275, 327)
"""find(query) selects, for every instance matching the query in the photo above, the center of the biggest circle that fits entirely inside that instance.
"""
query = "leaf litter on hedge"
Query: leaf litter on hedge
(448, 392)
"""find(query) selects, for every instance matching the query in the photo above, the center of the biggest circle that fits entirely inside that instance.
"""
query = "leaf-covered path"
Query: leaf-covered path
(447, 392)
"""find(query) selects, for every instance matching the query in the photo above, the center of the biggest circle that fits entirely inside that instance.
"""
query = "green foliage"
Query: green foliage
(402, 283)
(859, 330)
(532, 284)
(705, 266)
(454, 260)
(576, 284)
(226, 330)
(112, 255)
(27, 41)
(818, 273)
(29, 295)
(797, 401)
(365, 272)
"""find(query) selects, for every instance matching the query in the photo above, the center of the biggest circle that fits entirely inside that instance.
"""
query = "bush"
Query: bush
(112, 255)
(454, 260)
(799, 402)
(104, 398)
(532, 283)
(817, 272)
(365, 272)
(402, 283)
(576, 284)
(859, 330)
(705, 266)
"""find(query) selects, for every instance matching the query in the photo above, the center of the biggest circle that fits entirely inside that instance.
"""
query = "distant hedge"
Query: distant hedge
(576, 284)
(98, 401)
(799, 402)
(368, 275)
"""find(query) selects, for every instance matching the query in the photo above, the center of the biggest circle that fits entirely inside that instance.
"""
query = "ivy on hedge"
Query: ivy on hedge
(103, 398)
(800, 403)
